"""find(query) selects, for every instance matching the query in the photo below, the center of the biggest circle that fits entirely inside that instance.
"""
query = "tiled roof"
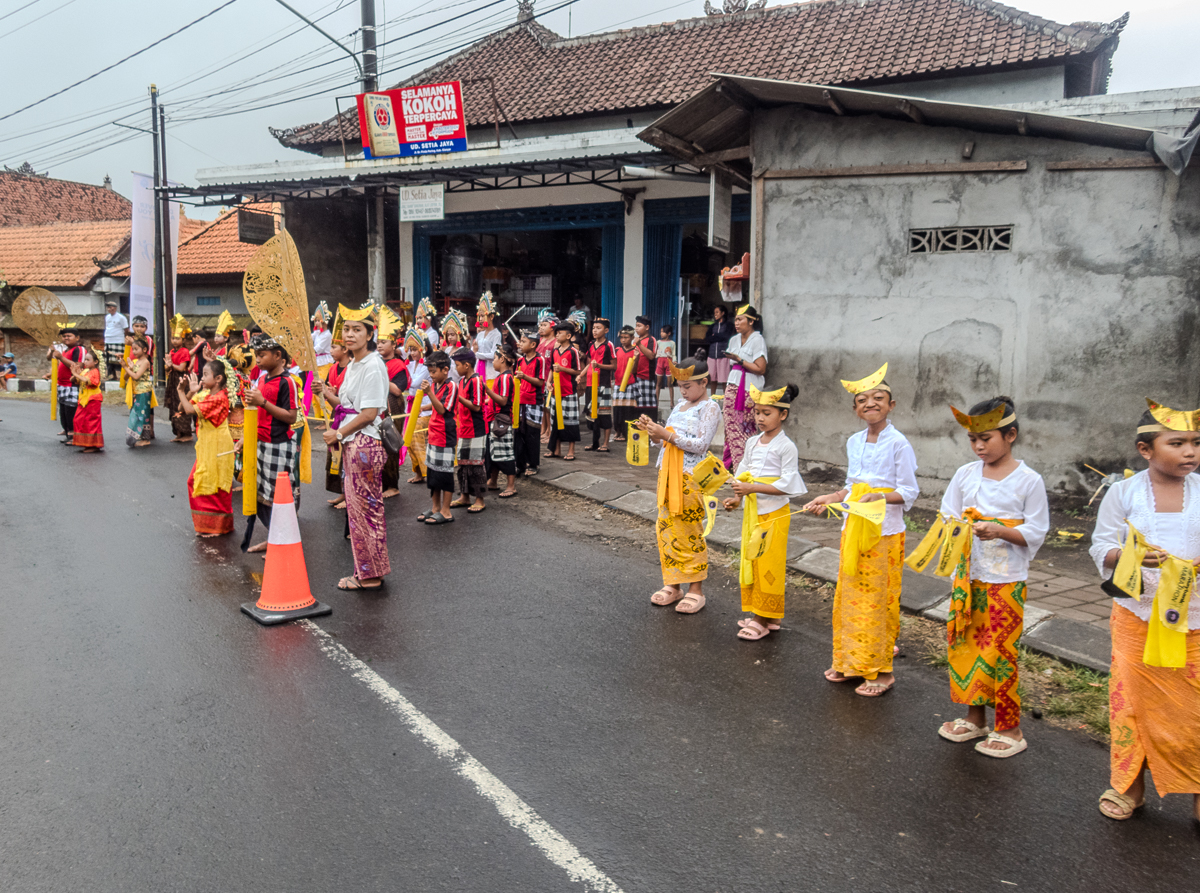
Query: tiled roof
(33, 201)
(61, 254)
(216, 248)
(540, 75)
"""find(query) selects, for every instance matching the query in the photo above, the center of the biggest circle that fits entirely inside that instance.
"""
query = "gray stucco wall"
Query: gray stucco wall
(999, 88)
(331, 238)
(1093, 309)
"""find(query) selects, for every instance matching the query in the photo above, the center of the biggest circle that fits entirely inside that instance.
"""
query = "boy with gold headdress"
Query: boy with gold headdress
(881, 465)
(766, 478)
(994, 517)
(1146, 545)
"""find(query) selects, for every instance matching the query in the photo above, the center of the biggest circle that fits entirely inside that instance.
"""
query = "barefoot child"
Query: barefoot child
(531, 374)
(139, 393)
(89, 429)
(1154, 689)
(866, 605)
(276, 397)
(564, 366)
(1005, 502)
(601, 363)
(767, 477)
(500, 449)
(442, 440)
(211, 481)
(664, 357)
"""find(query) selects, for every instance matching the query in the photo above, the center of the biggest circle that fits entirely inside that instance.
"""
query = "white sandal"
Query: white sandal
(962, 730)
(1010, 749)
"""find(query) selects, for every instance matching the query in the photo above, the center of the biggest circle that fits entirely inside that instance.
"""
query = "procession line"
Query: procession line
(512, 808)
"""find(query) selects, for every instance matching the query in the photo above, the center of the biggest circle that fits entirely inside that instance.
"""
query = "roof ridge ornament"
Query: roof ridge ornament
(525, 10)
(732, 7)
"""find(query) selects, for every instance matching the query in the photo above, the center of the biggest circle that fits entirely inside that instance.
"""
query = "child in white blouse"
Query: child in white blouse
(866, 605)
(767, 476)
(1005, 502)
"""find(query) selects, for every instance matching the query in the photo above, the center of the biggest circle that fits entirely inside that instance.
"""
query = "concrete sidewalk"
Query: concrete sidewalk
(813, 550)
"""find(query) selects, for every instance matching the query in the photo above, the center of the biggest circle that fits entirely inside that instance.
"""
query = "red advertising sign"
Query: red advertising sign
(424, 120)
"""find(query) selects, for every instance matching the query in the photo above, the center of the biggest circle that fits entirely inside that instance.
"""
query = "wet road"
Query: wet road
(153, 738)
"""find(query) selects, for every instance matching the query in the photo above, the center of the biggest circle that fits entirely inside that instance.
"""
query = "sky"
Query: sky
(252, 64)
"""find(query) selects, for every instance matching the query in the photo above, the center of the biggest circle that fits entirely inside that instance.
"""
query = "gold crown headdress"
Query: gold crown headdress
(344, 314)
(389, 324)
(1168, 419)
(487, 307)
(225, 324)
(321, 313)
(985, 421)
(425, 308)
(179, 326)
(455, 322)
(414, 341)
(873, 382)
(768, 398)
(686, 373)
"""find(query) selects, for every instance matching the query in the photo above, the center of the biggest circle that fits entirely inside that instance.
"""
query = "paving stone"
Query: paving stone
(639, 502)
(1034, 617)
(798, 545)
(1056, 584)
(727, 531)
(1055, 601)
(821, 562)
(939, 612)
(920, 592)
(605, 490)
(575, 481)
(1078, 643)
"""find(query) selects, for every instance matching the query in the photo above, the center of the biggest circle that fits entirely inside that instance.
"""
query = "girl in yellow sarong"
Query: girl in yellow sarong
(1154, 689)
(1006, 502)
(685, 438)
(211, 480)
(767, 476)
(866, 605)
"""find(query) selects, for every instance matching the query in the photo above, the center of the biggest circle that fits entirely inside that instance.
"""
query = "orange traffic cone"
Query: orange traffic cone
(285, 593)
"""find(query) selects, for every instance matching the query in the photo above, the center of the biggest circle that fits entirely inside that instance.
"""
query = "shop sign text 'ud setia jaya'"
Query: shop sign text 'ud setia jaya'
(424, 120)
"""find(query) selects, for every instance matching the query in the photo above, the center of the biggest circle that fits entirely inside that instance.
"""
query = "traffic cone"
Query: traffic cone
(285, 593)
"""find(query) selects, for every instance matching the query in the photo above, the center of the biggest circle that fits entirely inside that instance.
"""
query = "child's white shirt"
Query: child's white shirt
(419, 375)
(780, 459)
(1020, 496)
(889, 462)
(665, 349)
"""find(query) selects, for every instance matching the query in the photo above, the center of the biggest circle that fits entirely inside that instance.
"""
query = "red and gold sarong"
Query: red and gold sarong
(983, 662)
(1154, 712)
(866, 610)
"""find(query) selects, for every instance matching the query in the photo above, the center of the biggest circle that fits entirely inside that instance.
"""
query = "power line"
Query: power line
(18, 9)
(119, 62)
(31, 21)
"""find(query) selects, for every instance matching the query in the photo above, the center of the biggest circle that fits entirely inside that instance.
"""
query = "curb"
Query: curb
(1064, 640)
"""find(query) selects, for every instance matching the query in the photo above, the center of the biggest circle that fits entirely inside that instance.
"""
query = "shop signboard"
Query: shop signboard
(422, 202)
(426, 119)
(720, 210)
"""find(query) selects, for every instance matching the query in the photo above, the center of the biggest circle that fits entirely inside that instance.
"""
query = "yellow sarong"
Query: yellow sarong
(214, 456)
(859, 535)
(682, 548)
(763, 593)
(866, 609)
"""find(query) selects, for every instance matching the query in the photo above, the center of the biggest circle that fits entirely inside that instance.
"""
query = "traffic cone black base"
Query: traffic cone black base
(270, 618)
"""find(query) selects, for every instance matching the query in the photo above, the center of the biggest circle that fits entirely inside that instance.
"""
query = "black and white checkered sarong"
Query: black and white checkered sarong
(113, 354)
(532, 414)
(643, 394)
(472, 450)
(501, 449)
(604, 400)
(439, 458)
(625, 397)
(272, 459)
(68, 396)
(570, 406)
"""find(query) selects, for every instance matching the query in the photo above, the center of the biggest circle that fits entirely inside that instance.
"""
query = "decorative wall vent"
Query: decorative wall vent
(959, 239)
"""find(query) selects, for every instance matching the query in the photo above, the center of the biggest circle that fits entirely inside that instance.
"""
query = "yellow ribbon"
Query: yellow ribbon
(516, 404)
(410, 426)
(628, 372)
(250, 461)
(54, 387)
(670, 477)
(636, 452)
(558, 412)
(595, 394)
(861, 533)
(1166, 638)
(754, 537)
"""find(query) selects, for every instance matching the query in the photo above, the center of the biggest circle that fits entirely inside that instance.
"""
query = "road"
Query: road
(156, 739)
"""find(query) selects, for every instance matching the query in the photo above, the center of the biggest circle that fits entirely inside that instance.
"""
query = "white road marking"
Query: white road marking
(512, 808)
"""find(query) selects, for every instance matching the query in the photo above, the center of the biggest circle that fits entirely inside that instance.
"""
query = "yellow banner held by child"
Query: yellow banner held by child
(595, 413)
(516, 404)
(558, 409)
(637, 445)
(1166, 638)
(710, 474)
(628, 373)
(410, 426)
(250, 461)
(53, 389)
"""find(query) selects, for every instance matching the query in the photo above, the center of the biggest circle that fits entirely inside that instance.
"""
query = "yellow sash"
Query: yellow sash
(670, 477)
(516, 404)
(1166, 639)
(54, 388)
(636, 452)
(861, 533)
(754, 537)
(410, 426)
(628, 372)
(250, 461)
(558, 413)
(595, 394)
(88, 393)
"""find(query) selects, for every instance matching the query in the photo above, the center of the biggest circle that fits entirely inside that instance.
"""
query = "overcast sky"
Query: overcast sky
(252, 65)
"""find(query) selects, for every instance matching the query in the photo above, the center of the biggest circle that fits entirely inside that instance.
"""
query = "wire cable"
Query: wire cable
(18, 9)
(31, 21)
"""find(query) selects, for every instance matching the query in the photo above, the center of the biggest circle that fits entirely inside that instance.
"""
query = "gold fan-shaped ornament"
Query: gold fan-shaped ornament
(275, 296)
(40, 314)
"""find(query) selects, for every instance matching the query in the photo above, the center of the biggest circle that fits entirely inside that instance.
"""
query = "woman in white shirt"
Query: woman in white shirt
(1004, 501)
(1154, 689)
(685, 437)
(767, 477)
(880, 464)
(355, 429)
(748, 351)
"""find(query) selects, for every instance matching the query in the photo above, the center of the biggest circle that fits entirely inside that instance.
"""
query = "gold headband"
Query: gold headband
(985, 421)
(1171, 419)
(768, 398)
(873, 382)
(686, 373)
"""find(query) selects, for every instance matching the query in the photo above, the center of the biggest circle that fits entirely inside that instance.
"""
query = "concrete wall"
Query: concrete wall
(1093, 309)
(230, 294)
(1034, 85)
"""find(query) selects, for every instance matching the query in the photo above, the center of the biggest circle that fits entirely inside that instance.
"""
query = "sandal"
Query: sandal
(415, 480)
(690, 604)
(961, 730)
(551, 456)
(1125, 807)
(668, 595)
(475, 509)
(349, 583)
(590, 449)
(530, 472)
(873, 688)
(1008, 747)
(752, 631)
(745, 620)
(460, 503)
(603, 450)
(438, 518)
(424, 516)
(568, 458)
(839, 677)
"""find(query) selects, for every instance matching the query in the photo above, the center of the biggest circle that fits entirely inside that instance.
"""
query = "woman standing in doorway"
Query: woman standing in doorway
(748, 351)
(715, 343)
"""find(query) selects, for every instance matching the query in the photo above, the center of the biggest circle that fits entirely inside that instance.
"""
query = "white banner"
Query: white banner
(141, 249)
(422, 202)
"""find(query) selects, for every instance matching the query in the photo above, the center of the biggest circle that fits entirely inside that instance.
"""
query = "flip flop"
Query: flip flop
(438, 518)
(568, 458)
(589, 449)
(604, 450)
(844, 678)
(416, 480)
(477, 510)
(507, 494)
(530, 472)
(961, 730)
(459, 504)
(872, 688)
(357, 584)
(551, 456)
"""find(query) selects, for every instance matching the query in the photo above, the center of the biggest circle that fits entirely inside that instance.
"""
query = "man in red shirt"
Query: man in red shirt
(564, 366)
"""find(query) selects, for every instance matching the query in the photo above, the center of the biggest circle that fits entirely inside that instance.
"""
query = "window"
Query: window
(208, 302)
(958, 239)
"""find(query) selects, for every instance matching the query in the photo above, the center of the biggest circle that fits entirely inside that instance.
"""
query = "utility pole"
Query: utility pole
(169, 234)
(160, 319)
(370, 62)
(376, 253)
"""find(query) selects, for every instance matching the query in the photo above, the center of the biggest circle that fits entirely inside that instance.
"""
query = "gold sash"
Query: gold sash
(670, 477)
(862, 533)
(754, 537)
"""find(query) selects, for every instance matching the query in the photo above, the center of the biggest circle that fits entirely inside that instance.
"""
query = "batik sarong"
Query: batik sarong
(1154, 712)
(417, 451)
(983, 663)
(866, 610)
(362, 466)
(137, 418)
(764, 596)
(739, 426)
(682, 549)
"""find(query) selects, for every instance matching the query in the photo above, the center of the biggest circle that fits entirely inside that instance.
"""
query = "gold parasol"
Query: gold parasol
(40, 314)
(275, 296)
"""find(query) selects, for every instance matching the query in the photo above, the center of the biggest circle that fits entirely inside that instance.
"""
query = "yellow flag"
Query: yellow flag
(53, 388)
(710, 474)
(558, 412)
(755, 546)
(958, 539)
(636, 446)
(628, 372)
(410, 426)
(1128, 575)
(711, 504)
(873, 512)
(516, 404)
(928, 547)
(250, 461)
(595, 395)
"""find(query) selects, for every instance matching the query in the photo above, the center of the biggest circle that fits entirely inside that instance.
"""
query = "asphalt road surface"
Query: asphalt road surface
(153, 738)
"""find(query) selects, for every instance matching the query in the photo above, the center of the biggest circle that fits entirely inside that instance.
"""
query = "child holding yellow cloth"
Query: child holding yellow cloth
(765, 478)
